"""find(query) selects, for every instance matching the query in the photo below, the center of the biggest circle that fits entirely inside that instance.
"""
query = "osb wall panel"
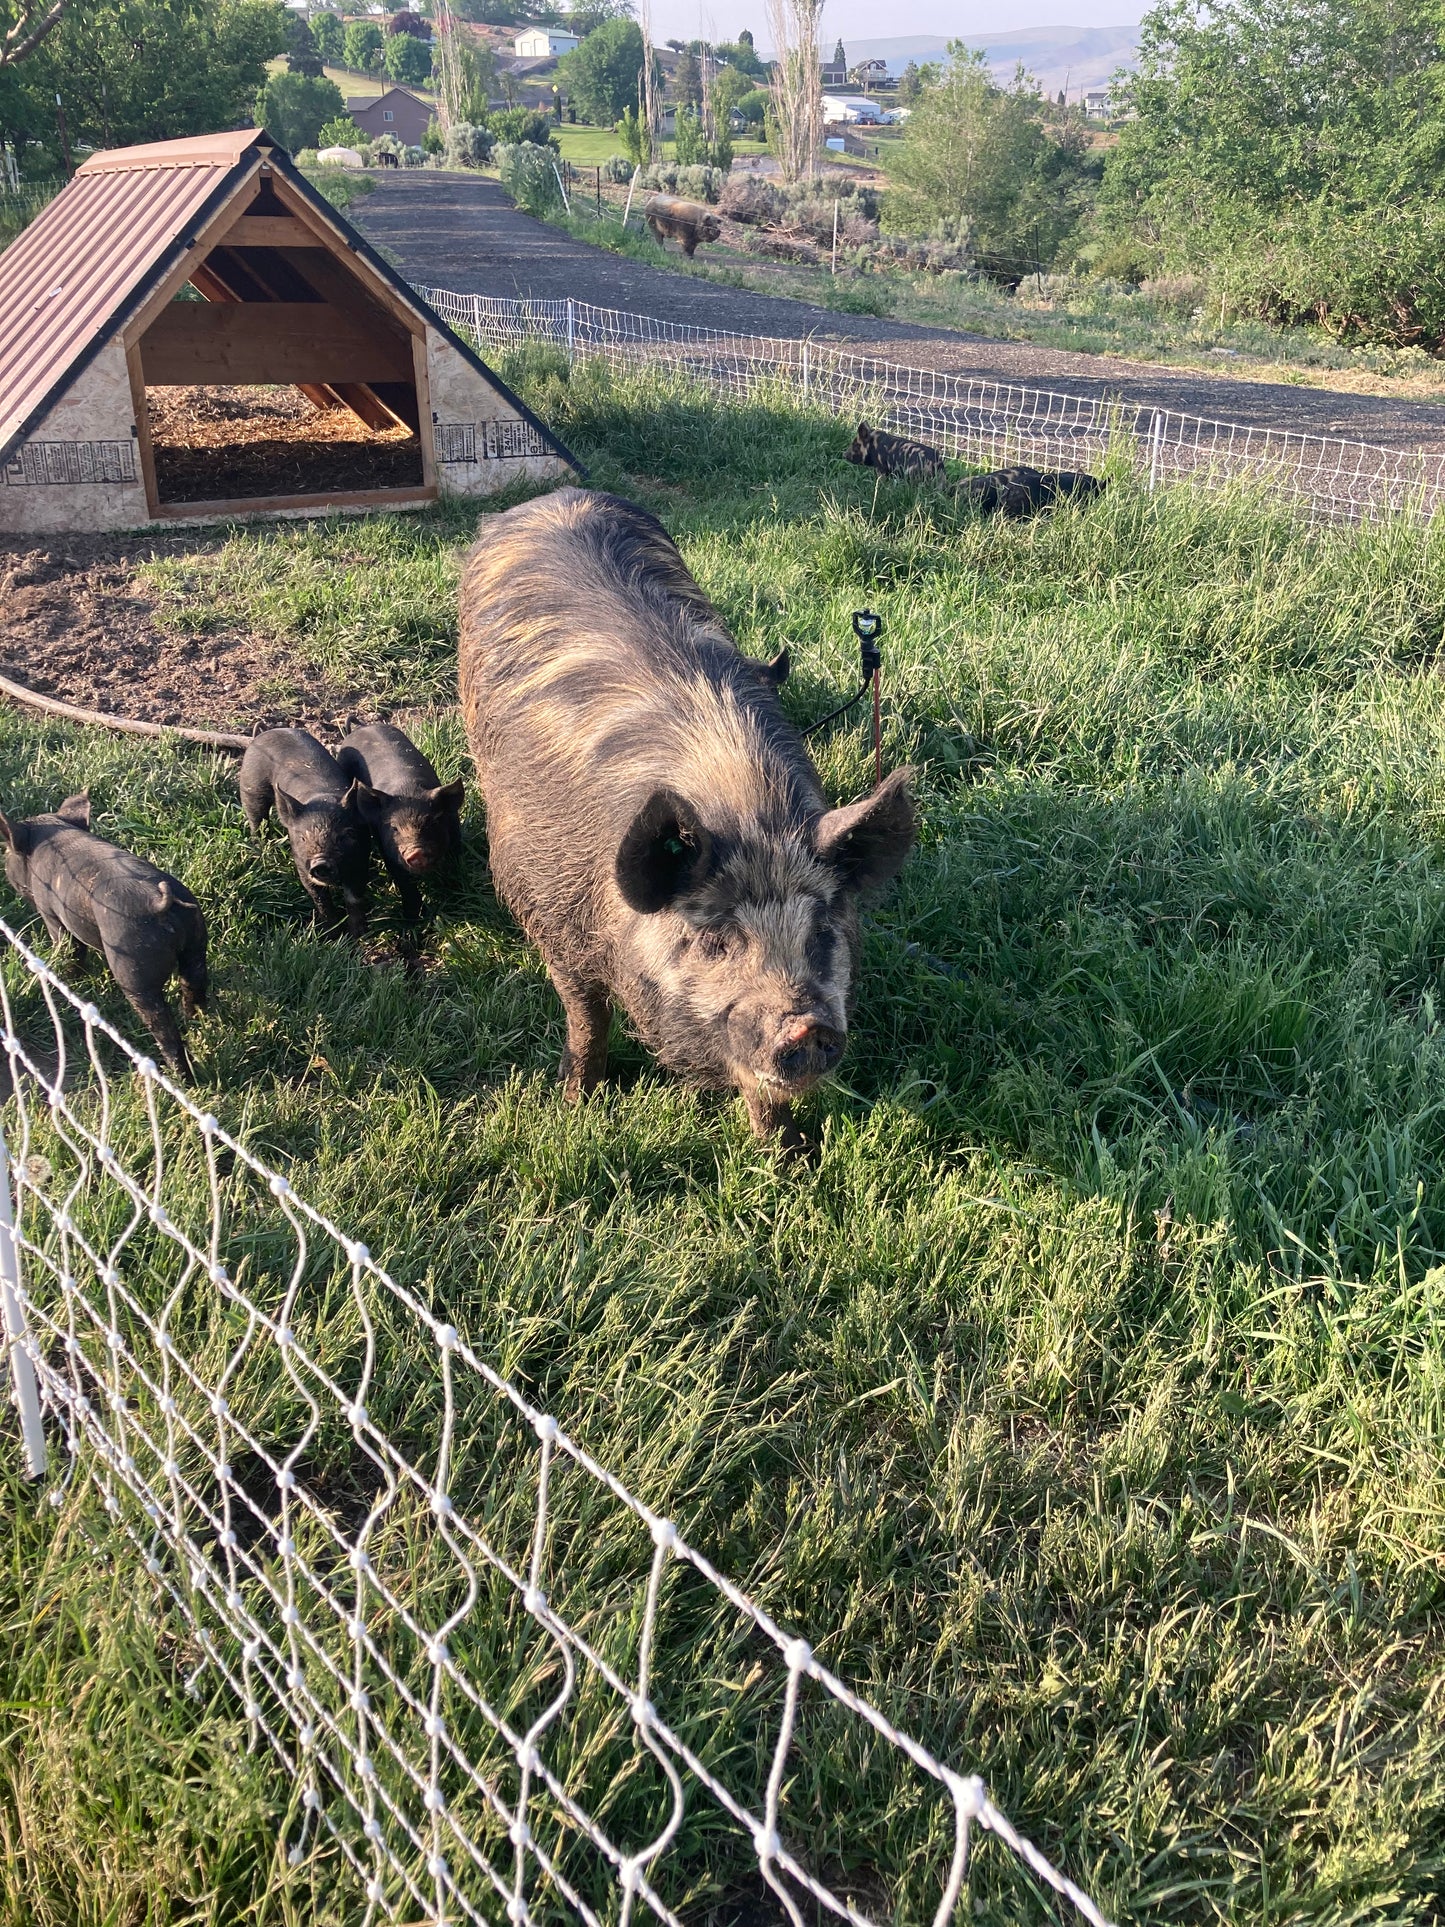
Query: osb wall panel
(80, 469)
(482, 443)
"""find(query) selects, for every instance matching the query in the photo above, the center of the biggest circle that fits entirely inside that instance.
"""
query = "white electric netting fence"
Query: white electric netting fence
(977, 420)
(498, 1684)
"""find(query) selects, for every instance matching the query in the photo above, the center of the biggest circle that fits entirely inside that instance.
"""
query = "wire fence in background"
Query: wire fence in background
(392, 1557)
(976, 420)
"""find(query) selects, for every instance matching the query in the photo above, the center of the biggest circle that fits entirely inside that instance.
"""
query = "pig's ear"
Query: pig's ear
(866, 842)
(76, 810)
(287, 808)
(776, 671)
(16, 834)
(361, 796)
(450, 795)
(664, 853)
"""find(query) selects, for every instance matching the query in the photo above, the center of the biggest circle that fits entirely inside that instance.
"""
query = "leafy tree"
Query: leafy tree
(1294, 153)
(686, 83)
(405, 21)
(690, 142)
(340, 131)
(433, 141)
(142, 70)
(522, 126)
(476, 70)
(406, 59)
(633, 133)
(728, 89)
(979, 154)
(601, 75)
(303, 56)
(910, 82)
(491, 13)
(329, 35)
(588, 15)
(753, 107)
(361, 46)
(295, 107)
(741, 54)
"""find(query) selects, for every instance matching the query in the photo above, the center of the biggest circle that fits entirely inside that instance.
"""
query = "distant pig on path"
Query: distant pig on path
(414, 816)
(654, 821)
(689, 222)
(146, 925)
(319, 811)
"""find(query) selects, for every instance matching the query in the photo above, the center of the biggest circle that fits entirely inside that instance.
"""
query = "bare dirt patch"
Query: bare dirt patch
(225, 444)
(77, 623)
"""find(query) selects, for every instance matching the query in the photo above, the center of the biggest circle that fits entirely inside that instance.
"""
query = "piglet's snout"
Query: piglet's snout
(417, 860)
(807, 1046)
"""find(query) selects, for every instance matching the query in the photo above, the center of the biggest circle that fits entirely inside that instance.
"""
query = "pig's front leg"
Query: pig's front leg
(589, 1018)
(773, 1123)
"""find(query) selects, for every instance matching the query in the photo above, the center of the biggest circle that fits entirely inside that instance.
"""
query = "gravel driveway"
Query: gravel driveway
(461, 231)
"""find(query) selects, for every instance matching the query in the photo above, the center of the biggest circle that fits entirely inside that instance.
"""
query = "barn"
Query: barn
(189, 332)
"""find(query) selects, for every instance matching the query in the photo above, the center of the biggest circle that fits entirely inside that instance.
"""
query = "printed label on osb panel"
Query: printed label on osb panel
(54, 464)
(473, 442)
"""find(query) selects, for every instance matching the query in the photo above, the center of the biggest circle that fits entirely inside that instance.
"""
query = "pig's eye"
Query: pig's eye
(716, 941)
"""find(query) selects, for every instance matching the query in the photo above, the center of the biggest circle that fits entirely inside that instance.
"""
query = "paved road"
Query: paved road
(460, 231)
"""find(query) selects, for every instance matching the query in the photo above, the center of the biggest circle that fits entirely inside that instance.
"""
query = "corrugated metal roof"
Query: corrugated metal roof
(68, 280)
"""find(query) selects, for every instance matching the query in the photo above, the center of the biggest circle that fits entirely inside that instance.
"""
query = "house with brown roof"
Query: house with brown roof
(398, 111)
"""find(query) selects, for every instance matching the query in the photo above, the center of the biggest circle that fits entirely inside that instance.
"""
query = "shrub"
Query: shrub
(1124, 261)
(466, 145)
(521, 124)
(528, 175)
(618, 169)
(1178, 294)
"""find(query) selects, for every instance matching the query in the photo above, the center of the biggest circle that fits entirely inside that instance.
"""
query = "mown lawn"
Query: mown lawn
(1085, 1401)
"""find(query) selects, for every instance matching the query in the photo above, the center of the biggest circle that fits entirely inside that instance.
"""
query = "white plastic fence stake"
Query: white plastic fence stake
(23, 1387)
(571, 328)
(1156, 448)
(630, 187)
(566, 204)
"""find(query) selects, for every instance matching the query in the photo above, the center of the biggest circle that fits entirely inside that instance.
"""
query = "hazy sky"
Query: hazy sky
(866, 20)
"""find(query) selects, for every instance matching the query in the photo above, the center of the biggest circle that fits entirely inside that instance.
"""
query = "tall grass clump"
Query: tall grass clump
(1084, 1402)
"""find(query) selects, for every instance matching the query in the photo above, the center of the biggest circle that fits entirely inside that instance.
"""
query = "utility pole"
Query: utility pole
(64, 140)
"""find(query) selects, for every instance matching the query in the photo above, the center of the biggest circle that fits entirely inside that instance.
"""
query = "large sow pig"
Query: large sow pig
(689, 222)
(654, 821)
(146, 925)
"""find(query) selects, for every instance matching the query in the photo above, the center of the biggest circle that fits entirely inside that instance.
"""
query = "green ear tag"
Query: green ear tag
(673, 847)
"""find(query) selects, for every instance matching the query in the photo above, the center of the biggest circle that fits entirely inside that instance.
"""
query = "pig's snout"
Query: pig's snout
(806, 1047)
(417, 861)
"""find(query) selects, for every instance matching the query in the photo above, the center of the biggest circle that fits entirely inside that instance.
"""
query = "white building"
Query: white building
(539, 42)
(1098, 104)
(851, 107)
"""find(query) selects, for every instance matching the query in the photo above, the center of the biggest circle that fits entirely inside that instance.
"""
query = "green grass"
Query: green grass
(1085, 1401)
(340, 185)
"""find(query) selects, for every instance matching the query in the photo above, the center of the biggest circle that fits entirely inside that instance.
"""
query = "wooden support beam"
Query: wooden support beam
(268, 341)
(269, 231)
(341, 498)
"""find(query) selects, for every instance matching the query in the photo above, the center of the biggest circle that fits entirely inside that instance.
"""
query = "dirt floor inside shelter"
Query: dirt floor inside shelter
(77, 622)
(226, 444)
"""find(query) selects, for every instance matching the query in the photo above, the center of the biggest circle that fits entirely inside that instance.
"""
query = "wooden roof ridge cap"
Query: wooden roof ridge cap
(191, 150)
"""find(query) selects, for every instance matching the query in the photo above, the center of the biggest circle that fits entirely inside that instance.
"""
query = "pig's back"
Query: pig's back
(593, 671)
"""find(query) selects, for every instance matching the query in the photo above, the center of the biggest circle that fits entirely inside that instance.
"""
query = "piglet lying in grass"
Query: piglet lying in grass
(318, 807)
(414, 816)
(146, 925)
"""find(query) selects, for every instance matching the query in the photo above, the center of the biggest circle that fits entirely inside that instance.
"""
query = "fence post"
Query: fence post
(477, 318)
(23, 1388)
(805, 368)
(1156, 448)
(571, 328)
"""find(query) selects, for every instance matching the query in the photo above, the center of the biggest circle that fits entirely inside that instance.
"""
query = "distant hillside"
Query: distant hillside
(1072, 57)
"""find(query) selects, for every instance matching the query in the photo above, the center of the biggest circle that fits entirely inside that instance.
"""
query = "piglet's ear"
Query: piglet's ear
(16, 834)
(287, 808)
(664, 853)
(450, 796)
(76, 810)
(361, 796)
(866, 842)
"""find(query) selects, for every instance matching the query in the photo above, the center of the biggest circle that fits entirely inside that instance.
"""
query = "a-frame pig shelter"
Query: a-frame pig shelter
(192, 265)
